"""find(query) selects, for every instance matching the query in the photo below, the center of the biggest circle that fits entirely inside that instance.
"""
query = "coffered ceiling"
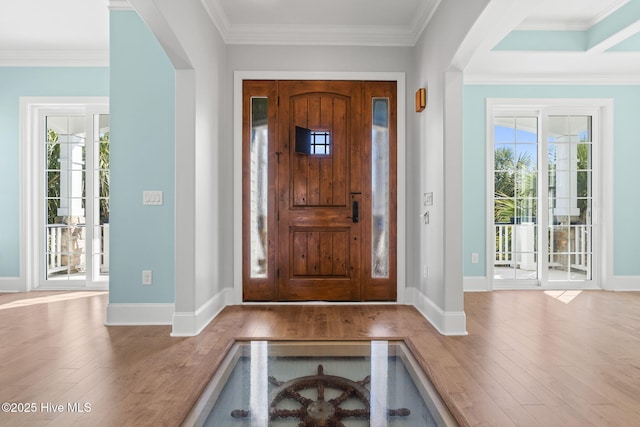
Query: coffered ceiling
(570, 41)
(577, 39)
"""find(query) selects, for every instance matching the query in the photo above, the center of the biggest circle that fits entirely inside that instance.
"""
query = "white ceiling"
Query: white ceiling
(76, 32)
(69, 31)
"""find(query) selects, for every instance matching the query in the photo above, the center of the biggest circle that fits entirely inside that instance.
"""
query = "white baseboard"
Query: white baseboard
(11, 284)
(476, 284)
(623, 283)
(189, 324)
(139, 314)
(447, 323)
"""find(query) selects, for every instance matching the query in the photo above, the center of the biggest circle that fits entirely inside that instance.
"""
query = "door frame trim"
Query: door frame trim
(238, 79)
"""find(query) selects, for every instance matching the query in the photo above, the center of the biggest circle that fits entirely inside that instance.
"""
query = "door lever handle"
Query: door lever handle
(354, 212)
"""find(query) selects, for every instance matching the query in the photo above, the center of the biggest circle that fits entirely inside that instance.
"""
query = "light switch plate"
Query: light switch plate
(152, 198)
(428, 199)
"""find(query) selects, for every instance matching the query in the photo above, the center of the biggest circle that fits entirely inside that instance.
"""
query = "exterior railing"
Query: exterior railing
(66, 249)
(55, 259)
(568, 245)
(504, 245)
(582, 258)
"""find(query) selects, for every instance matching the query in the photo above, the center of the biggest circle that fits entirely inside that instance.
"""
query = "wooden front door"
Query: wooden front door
(319, 191)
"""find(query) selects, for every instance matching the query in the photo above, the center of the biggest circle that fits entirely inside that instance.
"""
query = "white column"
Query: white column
(71, 180)
(566, 180)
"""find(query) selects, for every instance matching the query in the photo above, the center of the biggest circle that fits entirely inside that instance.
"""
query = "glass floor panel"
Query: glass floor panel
(319, 383)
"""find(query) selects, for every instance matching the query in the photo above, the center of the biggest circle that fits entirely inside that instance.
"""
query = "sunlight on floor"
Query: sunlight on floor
(51, 298)
(564, 296)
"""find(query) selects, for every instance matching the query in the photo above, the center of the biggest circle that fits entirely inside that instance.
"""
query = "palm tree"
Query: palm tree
(514, 184)
(53, 176)
(583, 179)
(513, 178)
(103, 165)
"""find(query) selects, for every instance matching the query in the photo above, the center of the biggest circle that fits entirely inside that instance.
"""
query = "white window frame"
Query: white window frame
(602, 110)
(32, 112)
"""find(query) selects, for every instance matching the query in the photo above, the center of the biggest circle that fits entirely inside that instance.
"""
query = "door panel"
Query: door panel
(319, 180)
(570, 196)
(332, 208)
(319, 252)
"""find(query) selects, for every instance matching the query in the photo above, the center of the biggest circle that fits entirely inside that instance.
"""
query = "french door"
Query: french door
(545, 188)
(319, 191)
(73, 202)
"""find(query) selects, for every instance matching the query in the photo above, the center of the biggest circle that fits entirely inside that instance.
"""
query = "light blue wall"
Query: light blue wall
(626, 172)
(142, 104)
(14, 83)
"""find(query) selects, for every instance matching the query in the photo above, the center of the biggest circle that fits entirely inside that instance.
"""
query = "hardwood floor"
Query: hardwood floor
(530, 359)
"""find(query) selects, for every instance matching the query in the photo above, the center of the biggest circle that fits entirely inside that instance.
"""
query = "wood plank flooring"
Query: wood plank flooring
(530, 359)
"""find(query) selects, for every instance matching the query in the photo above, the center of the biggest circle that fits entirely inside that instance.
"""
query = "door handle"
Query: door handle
(354, 212)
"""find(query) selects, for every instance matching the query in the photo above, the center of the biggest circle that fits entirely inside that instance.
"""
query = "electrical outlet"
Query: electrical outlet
(474, 258)
(147, 277)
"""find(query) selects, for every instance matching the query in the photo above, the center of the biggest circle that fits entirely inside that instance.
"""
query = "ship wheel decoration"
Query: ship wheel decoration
(319, 412)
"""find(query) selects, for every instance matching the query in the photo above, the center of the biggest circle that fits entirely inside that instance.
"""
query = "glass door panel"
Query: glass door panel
(259, 187)
(65, 152)
(380, 188)
(515, 198)
(75, 200)
(570, 197)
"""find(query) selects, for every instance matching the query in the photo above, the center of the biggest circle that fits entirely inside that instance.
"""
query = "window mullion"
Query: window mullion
(543, 199)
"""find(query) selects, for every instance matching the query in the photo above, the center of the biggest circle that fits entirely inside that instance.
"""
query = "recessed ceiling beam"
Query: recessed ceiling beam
(615, 28)
(602, 36)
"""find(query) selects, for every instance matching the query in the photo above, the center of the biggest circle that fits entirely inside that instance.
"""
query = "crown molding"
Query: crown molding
(568, 25)
(54, 58)
(218, 17)
(423, 17)
(120, 5)
(608, 11)
(333, 35)
(544, 25)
